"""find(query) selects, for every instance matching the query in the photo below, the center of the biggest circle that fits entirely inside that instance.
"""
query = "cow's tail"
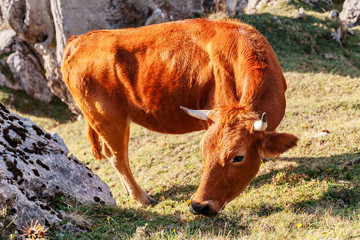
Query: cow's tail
(95, 143)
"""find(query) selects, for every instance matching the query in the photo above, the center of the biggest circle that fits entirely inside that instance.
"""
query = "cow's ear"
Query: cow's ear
(274, 143)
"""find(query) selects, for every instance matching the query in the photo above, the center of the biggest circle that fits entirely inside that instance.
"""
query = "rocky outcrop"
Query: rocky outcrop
(20, 68)
(235, 7)
(350, 14)
(32, 22)
(254, 6)
(230, 7)
(36, 169)
(47, 24)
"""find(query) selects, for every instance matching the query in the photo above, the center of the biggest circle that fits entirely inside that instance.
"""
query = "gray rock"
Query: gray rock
(235, 7)
(36, 168)
(329, 56)
(300, 14)
(32, 21)
(337, 35)
(334, 14)
(277, 20)
(329, 2)
(308, 2)
(7, 39)
(350, 14)
(254, 6)
(20, 68)
(25, 68)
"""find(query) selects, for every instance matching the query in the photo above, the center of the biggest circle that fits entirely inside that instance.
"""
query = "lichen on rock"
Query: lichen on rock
(35, 169)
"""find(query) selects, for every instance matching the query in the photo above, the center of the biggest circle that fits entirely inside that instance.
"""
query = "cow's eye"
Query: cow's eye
(238, 159)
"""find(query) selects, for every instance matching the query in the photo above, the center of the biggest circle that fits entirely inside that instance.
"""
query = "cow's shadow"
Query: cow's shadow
(342, 193)
(25, 104)
(178, 193)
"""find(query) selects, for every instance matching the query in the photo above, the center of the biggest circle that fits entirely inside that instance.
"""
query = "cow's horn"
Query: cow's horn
(199, 114)
(261, 125)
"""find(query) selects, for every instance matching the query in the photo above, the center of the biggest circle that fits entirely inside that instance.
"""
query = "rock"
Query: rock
(7, 39)
(329, 56)
(276, 19)
(350, 13)
(231, 7)
(32, 21)
(36, 168)
(226, 8)
(20, 67)
(1, 17)
(300, 14)
(308, 2)
(337, 35)
(334, 14)
(254, 6)
(350, 31)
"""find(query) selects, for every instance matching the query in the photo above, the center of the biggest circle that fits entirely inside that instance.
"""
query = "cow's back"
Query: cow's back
(145, 74)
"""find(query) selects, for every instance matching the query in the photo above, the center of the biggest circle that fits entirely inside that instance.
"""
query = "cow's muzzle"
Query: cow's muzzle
(204, 209)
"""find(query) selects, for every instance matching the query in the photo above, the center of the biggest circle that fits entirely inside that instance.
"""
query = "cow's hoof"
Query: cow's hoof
(147, 200)
(152, 200)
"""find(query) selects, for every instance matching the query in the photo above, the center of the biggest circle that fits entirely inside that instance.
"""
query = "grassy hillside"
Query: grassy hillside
(311, 192)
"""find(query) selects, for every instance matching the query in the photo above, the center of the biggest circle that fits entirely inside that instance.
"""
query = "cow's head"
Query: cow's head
(231, 150)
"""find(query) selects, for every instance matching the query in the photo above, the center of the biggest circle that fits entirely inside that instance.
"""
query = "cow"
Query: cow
(220, 76)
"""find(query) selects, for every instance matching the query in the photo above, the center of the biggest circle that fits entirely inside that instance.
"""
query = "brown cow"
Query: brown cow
(145, 75)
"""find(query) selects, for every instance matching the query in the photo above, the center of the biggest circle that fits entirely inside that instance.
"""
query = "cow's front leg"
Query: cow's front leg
(117, 143)
(129, 183)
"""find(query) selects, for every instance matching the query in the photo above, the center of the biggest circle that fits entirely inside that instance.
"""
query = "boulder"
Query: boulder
(230, 7)
(36, 169)
(334, 14)
(300, 14)
(254, 6)
(20, 68)
(33, 23)
(350, 14)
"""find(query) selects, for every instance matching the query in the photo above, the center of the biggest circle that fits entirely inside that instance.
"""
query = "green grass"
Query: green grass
(311, 192)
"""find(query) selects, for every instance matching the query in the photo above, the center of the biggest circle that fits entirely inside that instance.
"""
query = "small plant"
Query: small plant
(34, 231)
(7, 227)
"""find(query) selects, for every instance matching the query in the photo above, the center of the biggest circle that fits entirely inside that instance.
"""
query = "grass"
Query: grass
(311, 192)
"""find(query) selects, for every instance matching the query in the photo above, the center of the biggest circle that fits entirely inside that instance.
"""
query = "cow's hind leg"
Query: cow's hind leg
(117, 142)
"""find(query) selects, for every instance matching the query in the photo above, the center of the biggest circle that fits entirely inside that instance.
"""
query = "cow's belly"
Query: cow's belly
(173, 122)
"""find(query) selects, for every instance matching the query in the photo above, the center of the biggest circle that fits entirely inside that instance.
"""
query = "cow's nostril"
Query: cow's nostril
(199, 209)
